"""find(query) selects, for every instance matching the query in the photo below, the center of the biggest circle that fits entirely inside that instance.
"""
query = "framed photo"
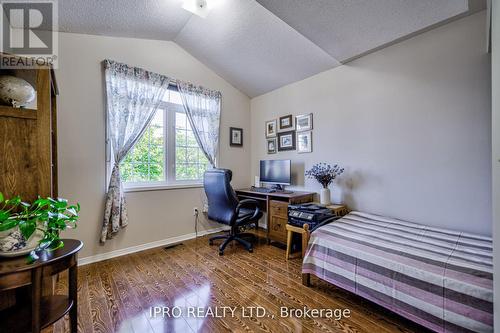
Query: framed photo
(286, 123)
(271, 128)
(304, 122)
(271, 146)
(286, 141)
(304, 142)
(236, 137)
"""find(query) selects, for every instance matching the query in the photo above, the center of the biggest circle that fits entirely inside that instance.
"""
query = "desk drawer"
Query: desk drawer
(279, 208)
(277, 229)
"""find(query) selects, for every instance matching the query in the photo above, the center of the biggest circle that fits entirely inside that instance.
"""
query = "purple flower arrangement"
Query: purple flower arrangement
(324, 173)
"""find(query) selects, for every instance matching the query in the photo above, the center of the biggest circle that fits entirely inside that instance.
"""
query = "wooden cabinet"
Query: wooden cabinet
(278, 218)
(28, 163)
(28, 139)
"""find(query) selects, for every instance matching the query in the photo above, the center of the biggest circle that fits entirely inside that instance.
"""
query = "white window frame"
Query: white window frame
(169, 112)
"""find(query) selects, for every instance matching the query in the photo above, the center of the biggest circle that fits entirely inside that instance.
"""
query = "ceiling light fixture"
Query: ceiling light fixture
(198, 7)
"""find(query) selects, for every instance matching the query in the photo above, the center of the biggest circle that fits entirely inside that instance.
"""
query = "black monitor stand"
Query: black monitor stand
(281, 189)
(278, 188)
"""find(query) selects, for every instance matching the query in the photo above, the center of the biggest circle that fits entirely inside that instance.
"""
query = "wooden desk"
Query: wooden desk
(39, 312)
(276, 206)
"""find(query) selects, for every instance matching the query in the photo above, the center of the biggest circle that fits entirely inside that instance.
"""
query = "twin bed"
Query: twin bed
(438, 278)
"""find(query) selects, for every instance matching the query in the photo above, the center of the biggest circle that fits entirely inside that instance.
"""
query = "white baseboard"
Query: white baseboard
(147, 246)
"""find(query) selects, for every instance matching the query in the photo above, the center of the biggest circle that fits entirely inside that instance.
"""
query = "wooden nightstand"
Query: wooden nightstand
(338, 210)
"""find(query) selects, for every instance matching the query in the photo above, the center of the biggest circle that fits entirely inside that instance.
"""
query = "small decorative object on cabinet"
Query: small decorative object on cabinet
(286, 141)
(271, 128)
(286, 123)
(15, 91)
(29, 228)
(304, 122)
(325, 174)
(304, 142)
(236, 137)
(271, 146)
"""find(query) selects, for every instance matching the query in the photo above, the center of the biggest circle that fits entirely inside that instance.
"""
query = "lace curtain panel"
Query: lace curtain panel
(203, 108)
(132, 97)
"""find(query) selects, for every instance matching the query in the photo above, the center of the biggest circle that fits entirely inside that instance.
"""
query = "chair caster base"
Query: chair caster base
(250, 250)
(210, 242)
(221, 253)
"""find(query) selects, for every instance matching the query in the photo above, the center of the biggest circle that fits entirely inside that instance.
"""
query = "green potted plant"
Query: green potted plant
(31, 227)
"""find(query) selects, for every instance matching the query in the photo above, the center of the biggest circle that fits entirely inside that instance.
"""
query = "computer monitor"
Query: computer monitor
(276, 172)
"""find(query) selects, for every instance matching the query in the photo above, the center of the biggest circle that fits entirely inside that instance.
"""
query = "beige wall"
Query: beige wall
(495, 62)
(411, 124)
(154, 215)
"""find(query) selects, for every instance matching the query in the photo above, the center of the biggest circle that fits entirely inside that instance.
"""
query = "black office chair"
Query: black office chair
(224, 207)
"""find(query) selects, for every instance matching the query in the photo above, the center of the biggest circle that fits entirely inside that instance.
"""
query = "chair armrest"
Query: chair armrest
(249, 203)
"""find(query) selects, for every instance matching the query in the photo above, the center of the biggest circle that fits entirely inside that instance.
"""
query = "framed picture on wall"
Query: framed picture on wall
(286, 141)
(304, 122)
(304, 142)
(271, 146)
(271, 128)
(286, 123)
(235, 137)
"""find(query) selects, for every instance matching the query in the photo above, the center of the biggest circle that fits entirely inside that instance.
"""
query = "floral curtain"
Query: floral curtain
(132, 97)
(203, 108)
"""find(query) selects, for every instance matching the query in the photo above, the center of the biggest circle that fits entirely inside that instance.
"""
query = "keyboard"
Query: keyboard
(263, 189)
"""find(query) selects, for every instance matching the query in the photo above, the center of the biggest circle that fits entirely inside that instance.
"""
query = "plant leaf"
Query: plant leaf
(27, 228)
(8, 224)
(56, 245)
(3, 216)
(1, 197)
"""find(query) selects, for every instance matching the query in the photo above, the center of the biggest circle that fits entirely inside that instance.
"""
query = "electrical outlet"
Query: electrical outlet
(195, 211)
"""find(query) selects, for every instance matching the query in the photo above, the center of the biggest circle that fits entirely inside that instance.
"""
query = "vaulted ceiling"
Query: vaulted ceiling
(261, 45)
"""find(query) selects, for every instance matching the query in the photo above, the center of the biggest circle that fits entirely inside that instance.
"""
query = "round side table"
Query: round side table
(44, 311)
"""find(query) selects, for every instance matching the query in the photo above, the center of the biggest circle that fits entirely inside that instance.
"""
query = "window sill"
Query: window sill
(144, 188)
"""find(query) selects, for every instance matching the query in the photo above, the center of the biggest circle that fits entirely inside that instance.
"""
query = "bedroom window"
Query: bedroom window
(168, 153)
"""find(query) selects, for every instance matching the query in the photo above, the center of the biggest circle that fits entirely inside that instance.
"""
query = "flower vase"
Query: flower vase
(324, 196)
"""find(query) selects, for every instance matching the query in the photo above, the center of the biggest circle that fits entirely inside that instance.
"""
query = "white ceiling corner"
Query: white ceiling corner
(261, 45)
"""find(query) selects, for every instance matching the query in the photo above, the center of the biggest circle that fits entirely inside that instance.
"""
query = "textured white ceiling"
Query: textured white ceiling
(252, 48)
(156, 19)
(347, 28)
(261, 45)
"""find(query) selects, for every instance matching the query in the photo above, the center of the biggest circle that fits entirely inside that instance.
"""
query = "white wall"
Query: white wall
(495, 63)
(154, 215)
(411, 124)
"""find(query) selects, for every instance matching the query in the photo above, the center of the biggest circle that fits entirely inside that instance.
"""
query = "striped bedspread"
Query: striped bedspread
(438, 278)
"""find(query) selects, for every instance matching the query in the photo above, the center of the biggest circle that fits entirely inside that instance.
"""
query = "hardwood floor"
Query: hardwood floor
(117, 295)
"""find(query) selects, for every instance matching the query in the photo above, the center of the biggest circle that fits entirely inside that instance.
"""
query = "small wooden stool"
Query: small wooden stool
(304, 231)
(337, 210)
